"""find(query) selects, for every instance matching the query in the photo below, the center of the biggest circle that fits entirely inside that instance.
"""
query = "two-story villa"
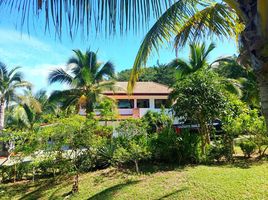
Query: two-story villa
(146, 96)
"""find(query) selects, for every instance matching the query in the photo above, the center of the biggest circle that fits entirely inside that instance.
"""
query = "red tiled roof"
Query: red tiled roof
(140, 88)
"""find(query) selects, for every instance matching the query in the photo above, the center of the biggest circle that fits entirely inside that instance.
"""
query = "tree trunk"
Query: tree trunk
(3, 150)
(76, 182)
(137, 166)
(263, 86)
(2, 114)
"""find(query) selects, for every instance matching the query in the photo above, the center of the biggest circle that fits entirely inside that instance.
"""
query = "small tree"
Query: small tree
(199, 98)
(74, 134)
(21, 144)
(135, 150)
(107, 109)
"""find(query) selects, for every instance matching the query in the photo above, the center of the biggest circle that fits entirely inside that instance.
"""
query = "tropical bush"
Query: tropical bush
(248, 148)
(130, 128)
(165, 145)
(156, 121)
(190, 143)
(133, 151)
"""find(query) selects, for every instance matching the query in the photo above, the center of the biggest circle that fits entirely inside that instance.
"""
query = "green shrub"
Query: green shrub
(248, 148)
(98, 156)
(134, 151)
(156, 121)
(216, 152)
(165, 145)
(131, 128)
(190, 147)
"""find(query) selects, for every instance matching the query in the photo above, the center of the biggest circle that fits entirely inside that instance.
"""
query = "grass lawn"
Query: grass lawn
(239, 181)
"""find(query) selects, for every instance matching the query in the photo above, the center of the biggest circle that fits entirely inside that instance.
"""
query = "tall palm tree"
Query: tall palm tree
(47, 106)
(86, 80)
(198, 59)
(10, 81)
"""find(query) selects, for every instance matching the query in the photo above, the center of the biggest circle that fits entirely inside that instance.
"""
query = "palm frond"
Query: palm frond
(108, 69)
(162, 31)
(29, 113)
(3, 70)
(59, 75)
(87, 15)
(16, 76)
(12, 71)
(183, 68)
(58, 95)
(233, 86)
(91, 61)
(21, 84)
(214, 20)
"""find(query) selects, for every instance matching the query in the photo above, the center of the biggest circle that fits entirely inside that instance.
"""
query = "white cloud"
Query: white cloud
(17, 38)
(39, 76)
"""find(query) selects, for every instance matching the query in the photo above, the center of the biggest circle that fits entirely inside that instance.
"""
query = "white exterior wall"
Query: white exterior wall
(142, 111)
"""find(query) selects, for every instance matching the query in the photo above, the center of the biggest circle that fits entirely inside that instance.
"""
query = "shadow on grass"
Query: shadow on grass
(31, 190)
(109, 192)
(172, 193)
(153, 167)
(241, 162)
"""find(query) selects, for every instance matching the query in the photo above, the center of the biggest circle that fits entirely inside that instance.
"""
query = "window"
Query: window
(143, 103)
(125, 103)
(159, 103)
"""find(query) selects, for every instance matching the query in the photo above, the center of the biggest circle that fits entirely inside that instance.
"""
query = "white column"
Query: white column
(151, 101)
(135, 103)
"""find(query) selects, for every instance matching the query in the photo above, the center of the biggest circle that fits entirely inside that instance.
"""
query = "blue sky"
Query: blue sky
(39, 53)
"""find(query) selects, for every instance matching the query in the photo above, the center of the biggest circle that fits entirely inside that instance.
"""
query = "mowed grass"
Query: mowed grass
(192, 182)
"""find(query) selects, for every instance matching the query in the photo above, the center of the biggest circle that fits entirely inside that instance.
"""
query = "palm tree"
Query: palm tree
(10, 81)
(232, 70)
(86, 80)
(198, 59)
(47, 106)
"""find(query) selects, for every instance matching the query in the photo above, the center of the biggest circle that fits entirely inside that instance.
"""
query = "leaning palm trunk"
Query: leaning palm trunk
(2, 114)
(254, 43)
(263, 86)
(3, 150)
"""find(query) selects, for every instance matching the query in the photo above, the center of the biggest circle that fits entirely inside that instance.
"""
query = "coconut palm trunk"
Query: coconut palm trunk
(2, 114)
(3, 150)
(254, 43)
(263, 88)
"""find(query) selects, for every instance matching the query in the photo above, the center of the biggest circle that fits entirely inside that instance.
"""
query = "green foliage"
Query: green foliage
(248, 148)
(132, 151)
(165, 145)
(190, 142)
(156, 121)
(86, 81)
(131, 128)
(160, 73)
(199, 98)
(231, 69)
(107, 109)
(242, 120)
